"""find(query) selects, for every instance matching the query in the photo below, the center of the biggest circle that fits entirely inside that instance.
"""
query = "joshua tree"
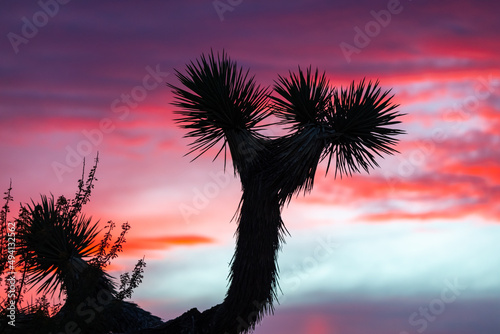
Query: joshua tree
(60, 251)
(220, 103)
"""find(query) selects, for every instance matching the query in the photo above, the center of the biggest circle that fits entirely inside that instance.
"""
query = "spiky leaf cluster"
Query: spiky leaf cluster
(304, 98)
(350, 126)
(53, 245)
(218, 97)
(359, 121)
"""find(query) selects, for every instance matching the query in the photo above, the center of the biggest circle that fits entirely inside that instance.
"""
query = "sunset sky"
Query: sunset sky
(412, 247)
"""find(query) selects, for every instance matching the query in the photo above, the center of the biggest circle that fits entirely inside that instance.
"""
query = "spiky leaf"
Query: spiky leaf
(304, 97)
(53, 245)
(357, 127)
(219, 96)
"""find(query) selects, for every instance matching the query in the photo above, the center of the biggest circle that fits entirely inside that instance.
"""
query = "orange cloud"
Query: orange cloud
(166, 242)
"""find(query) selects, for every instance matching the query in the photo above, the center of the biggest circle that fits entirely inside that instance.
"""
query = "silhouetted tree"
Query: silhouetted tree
(59, 250)
(220, 103)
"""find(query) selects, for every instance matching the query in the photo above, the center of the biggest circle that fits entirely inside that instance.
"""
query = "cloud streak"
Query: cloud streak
(166, 242)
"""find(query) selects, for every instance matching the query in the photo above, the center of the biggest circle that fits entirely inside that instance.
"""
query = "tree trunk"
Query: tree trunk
(254, 273)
